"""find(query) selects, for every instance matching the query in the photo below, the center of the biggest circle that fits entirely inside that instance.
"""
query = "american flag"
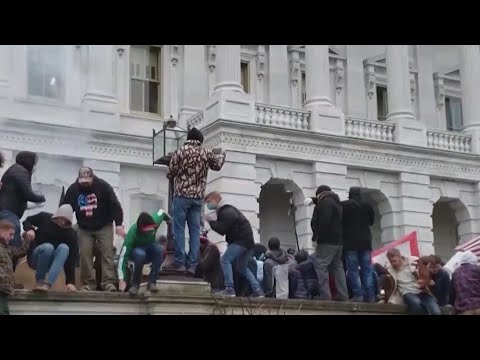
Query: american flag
(472, 245)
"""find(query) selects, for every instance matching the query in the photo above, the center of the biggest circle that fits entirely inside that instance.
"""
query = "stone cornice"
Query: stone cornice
(75, 142)
(375, 155)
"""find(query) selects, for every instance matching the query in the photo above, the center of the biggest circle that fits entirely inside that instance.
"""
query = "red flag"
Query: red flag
(408, 246)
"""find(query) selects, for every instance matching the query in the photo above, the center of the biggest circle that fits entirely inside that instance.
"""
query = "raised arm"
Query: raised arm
(215, 162)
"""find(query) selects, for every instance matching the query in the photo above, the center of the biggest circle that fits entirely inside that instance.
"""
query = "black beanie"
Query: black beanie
(195, 134)
(354, 191)
(322, 188)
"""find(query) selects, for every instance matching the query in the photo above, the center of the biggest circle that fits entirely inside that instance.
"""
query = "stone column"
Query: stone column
(407, 129)
(100, 97)
(470, 77)
(279, 75)
(195, 82)
(413, 210)
(325, 117)
(5, 67)
(228, 68)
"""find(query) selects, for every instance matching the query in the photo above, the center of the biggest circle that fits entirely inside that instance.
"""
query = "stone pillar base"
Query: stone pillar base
(326, 120)
(409, 131)
(230, 105)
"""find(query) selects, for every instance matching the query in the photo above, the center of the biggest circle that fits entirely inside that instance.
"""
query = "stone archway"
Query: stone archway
(451, 223)
(383, 227)
(277, 218)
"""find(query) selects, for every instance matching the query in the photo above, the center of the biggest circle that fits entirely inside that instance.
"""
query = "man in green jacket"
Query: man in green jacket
(141, 247)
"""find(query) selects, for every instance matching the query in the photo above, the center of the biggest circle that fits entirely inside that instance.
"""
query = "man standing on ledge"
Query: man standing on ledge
(96, 206)
(189, 169)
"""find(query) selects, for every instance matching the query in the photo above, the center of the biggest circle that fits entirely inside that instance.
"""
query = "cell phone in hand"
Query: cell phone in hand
(217, 151)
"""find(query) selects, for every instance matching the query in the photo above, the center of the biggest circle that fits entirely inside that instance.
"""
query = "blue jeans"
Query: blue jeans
(421, 304)
(189, 211)
(241, 255)
(142, 255)
(10, 216)
(364, 288)
(47, 259)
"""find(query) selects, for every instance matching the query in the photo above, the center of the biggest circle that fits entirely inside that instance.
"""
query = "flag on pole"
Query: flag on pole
(408, 246)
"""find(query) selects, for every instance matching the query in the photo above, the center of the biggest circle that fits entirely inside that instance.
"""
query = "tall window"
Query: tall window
(46, 71)
(453, 110)
(145, 79)
(245, 76)
(382, 103)
(304, 87)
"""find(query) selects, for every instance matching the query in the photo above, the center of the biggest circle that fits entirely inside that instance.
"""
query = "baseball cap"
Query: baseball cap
(85, 175)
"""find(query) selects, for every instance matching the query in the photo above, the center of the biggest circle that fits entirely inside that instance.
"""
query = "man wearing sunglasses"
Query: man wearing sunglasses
(141, 247)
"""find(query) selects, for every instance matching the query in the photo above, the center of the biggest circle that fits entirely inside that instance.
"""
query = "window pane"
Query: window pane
(382, 103)
(154, 62)
(304, 87)
(245, 76)
(46, 71)
(151, 88)
(136, 95)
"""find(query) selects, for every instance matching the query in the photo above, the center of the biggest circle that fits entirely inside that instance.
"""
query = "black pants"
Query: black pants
(4, 309)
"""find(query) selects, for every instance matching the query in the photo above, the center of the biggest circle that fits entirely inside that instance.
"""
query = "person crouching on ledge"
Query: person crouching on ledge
(54, 246)
(141, 247)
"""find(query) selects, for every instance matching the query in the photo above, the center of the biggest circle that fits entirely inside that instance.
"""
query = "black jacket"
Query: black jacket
(96, 206)
(234, 225)
(441, 288)
(17, 185)
(358, 216)
(327, 220)
(49, 232)
(209, 266)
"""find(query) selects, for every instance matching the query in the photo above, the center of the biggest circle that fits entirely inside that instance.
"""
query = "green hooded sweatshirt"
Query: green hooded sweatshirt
(134, 239)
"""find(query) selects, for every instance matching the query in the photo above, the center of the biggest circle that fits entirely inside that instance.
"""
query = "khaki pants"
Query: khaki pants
(471, 312)
(103, 240)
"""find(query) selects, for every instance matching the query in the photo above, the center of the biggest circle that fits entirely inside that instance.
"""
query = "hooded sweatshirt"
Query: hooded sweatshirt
(189, 169)
(16, 188)
(95, 206)
(358, 216)
(327, 219)
(46, 231)
(234, 225)
(136, 238)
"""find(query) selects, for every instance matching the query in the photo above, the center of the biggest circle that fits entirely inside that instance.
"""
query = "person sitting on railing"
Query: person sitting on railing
(465, 285)
(274, 256)
(54, 246)
(141, 247)
(440, 281)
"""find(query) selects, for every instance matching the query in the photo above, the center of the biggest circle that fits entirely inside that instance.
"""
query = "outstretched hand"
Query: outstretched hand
(308, 202)
(120, 230)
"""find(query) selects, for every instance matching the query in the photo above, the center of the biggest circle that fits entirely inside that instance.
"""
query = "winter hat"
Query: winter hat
(195, 134)
(85, 175)
(27, 159)
(65, 211)
(322, 188)
(354, 192)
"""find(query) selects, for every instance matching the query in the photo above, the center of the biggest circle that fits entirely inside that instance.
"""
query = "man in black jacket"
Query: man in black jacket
(358, 216)
(440, 281)
(16, 191)
(239, 237)
(97, 207)
(53, 246)
(327, 232)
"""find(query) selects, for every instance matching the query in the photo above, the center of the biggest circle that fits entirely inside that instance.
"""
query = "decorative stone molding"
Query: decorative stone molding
(120, 51)
(339, 75)
(439, 90)
(449, 140)
(261, 62)
(368, 159)
(295, 73)
(174, 58)
(413, 88)
(370, 80)
(212, 54)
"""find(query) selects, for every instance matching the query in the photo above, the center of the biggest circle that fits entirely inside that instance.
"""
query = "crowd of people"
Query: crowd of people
(340, 269)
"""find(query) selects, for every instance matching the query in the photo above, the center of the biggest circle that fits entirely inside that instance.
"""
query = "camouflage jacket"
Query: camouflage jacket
(7, 255)
(189, 168)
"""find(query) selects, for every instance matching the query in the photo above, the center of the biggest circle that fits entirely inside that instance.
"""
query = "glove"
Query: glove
(308, 202)
(32, 205)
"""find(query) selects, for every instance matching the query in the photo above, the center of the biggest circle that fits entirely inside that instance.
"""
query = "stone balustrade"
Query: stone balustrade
(196, 120)
(282, 117)
(451, 141)
(372, 130)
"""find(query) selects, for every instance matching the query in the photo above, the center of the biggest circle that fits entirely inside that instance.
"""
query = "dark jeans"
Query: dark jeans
(241, 255)
(142, 255)
(360, 289)
(4, 309)
(189, 211)
(328, 259)
(47, 259)
(421, 304)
